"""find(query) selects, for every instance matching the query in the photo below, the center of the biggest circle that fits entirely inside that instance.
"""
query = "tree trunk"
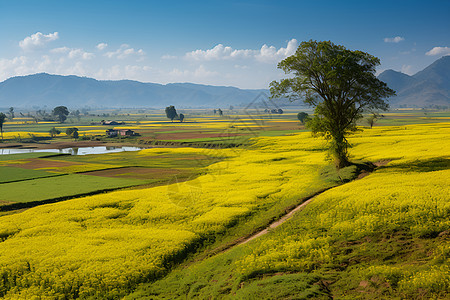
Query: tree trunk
(339, 151)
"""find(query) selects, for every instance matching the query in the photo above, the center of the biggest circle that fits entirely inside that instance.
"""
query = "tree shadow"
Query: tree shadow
(428, 165)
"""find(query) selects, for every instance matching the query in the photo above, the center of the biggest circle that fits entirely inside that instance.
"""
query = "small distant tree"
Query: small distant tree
(54, 132)
(75, 135)
(70, 131)
(77, 115)
(280, 111)
(11, 113)
(302, 117)
(220, 112)
(181, 117)
(372, 119)
(171, 112)
(2, 120)
(61, 112)
(215, 111)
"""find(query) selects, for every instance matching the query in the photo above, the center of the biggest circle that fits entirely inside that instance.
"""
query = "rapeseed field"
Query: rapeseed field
(381, 237)
(103, 246)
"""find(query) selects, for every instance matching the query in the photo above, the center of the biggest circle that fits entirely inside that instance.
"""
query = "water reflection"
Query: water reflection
(73, 151)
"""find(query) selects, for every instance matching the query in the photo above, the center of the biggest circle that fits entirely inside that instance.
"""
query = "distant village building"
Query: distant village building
(120, 132)
(112, 123)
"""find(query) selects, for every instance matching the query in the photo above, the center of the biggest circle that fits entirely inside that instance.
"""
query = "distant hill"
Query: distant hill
(73, 91)
(427, 88)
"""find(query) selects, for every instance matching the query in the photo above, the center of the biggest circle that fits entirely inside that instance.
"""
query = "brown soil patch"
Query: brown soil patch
(37, 163)
(3, 202)
(294, 125)
(134, 173)
(382, 162)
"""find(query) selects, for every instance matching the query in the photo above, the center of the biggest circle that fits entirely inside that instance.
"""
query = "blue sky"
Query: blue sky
(234, 43)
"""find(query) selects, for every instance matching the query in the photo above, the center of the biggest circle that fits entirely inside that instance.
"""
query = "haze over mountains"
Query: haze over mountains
(427, 88)
(73, 91)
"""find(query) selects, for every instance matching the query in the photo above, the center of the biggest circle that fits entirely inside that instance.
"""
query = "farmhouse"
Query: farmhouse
(120, 132)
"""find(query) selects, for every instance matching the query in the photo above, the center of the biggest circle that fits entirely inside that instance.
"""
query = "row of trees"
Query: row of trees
(60, 112)
(71, 132)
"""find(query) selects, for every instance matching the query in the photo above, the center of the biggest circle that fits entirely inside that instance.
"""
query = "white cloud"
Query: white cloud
(221, 65)
(265, 54)
(37, 40)
(439, 51)
(101, 46)
(407, 69)
(186, 75)
(118, 72)
(242, 67)
(271, 53)
(168, 57)
(396, 39)
(124, 52)
(75, 53)
(60, 50)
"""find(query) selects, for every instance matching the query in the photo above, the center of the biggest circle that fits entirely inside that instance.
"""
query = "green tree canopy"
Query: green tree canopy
(61, 112)
(54, 132)
(71, 130)
(171, 112)
(339, 83)
(2, 120)
(11, 113)
(181, 117)
(302, 117)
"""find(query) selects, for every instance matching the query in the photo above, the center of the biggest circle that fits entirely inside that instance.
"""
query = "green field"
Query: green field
(61, 186)
(11, 174)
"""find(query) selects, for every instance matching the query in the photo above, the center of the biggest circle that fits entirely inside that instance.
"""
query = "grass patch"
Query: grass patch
(11, 174)
(20, 156)
(61, 186)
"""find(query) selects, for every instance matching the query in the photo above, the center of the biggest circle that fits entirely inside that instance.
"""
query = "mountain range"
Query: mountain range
(427, 88)
(74, 91)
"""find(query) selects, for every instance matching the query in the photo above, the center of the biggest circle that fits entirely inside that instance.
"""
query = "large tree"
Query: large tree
(61, 112)
(339, 83)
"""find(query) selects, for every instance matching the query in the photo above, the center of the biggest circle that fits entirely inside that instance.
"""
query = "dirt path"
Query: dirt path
(278, 222)
(291, 212)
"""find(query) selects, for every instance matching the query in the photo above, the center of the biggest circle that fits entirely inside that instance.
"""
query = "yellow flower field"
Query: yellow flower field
(105, 245)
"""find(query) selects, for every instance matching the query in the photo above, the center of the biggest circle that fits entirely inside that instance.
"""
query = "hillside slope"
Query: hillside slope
(429, 87)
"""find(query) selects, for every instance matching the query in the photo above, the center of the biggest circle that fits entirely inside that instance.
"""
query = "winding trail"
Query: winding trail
(289, 213)
(280, 221)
